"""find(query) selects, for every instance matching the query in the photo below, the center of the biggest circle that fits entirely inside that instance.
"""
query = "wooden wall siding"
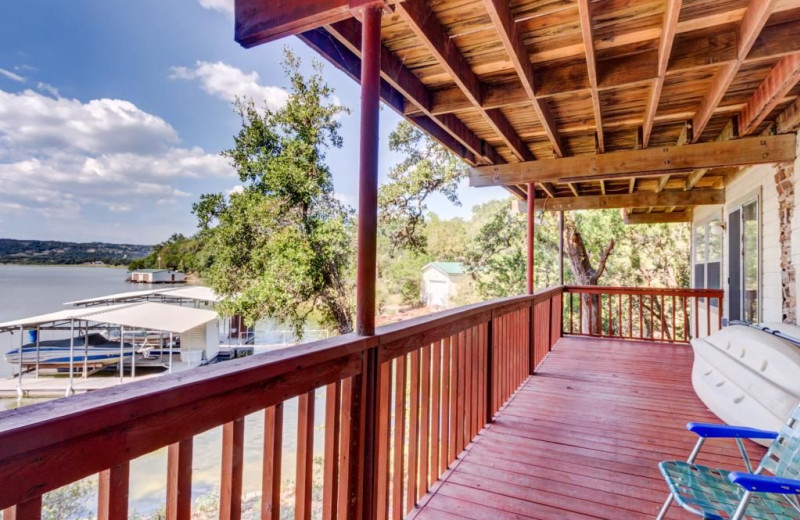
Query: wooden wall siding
(530, 79)
(440, 379)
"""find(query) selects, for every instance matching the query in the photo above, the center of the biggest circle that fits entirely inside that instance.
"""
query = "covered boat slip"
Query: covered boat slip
(194, 329)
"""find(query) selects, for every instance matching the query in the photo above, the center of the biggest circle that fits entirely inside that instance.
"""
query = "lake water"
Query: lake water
(31, 290)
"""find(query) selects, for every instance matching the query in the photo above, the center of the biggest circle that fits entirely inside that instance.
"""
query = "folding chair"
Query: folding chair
(718, 494)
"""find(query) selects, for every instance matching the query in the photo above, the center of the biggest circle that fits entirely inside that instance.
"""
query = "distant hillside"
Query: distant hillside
(51, 252)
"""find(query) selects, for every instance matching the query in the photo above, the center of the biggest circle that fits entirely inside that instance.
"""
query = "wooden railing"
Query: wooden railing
(642, 313)
(399, 408)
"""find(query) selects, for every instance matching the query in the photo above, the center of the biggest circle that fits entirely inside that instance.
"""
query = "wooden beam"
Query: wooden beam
(657, 218)
(650, 161)
(423, 22)
(755, 17)
(631, 184)
(789, 119)
(587, 33)
(501, 15)
(730, 131)
(395, 73)
(602, 187)
(635, 200)
(662, 182)
(780, 80)
(260, 21)
(669, 26)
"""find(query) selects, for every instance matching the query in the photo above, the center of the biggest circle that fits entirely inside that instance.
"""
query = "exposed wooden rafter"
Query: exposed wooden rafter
(781, 79)
(750, 27)
(636, 200)
(422, 21)
(689, 53)
(587, 33)
(669, 27)
(500, 13)
(650, 161)
(256, 25)
(548, 188)
(348, 33)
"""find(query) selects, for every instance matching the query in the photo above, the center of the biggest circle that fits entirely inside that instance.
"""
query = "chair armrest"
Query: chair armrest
(765, 483)
(709, 431)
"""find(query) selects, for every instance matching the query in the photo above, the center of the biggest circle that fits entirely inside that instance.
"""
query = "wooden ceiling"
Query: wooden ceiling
(501, 82)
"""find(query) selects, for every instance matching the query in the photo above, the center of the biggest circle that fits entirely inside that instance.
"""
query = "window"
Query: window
(708, 255)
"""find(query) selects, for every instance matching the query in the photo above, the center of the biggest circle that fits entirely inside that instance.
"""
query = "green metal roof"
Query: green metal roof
(448, 267)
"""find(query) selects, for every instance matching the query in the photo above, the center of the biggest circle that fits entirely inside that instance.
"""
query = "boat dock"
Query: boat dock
(49, 386)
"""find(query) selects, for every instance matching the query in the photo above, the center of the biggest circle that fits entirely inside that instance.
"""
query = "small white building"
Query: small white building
(157, 276)
(440, 282)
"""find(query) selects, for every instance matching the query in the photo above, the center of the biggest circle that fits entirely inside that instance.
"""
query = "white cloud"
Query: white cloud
(235, 190)
(223, 6)
(12, 76)
(48, 88)
(60, 156)
(228, 82)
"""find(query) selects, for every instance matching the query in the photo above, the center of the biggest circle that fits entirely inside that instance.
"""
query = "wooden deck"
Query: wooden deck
(582, 438)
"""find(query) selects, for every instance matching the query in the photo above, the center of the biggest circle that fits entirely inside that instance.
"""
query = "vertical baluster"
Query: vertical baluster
(490, 377)
(453, 434)
(580, 313)
(31, 509)
(424, 422)
(476, 356)
(413, 431)
(444, 450)
(719, 313)
(641, 320)
(462, 347)
(330, 479)
(696, 312)
(481, 355)
(383, 440)
(345, 431)
(652, 316)
(686, 325)
(273, 449)
(674, 312)
(230, 492)
(708, 315)
(398, 477)
(468, 348)
(179, 480)
(569, 295)
(630, 316)
(305, 456)
(663, 320)
(436, 384)
(112, 493)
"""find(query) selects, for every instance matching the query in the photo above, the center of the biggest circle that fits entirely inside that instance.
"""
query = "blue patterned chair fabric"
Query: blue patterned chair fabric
(712, 493)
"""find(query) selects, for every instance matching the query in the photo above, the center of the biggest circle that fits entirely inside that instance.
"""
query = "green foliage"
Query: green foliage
(283, 247)
(427, 168)
(177, 252)
(71, 502)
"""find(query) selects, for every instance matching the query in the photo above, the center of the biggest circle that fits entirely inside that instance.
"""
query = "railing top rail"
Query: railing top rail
(667, 291)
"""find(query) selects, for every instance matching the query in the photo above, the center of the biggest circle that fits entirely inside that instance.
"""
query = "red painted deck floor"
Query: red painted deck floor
(582, 439)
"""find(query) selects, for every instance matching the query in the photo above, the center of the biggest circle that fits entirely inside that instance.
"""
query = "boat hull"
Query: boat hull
(747, 377)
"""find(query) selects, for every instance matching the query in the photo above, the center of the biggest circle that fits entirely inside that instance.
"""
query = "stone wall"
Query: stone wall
(784, 184)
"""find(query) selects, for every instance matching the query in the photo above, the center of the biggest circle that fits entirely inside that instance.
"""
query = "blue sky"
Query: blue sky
(113, 114)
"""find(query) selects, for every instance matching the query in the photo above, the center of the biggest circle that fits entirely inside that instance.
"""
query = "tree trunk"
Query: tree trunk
(585, 274)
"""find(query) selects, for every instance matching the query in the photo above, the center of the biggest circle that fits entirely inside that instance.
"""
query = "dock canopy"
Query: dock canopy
(144, 315)
(156, 316)
(194, 293)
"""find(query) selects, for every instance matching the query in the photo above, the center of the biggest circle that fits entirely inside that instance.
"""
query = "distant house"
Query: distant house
(440, 282)
(157, 276)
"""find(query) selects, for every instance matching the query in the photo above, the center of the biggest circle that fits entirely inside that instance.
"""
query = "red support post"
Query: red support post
(368, 169)
(531, 238)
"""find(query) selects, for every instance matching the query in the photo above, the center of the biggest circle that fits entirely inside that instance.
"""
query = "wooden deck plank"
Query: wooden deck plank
(582, 438)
